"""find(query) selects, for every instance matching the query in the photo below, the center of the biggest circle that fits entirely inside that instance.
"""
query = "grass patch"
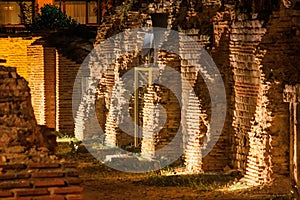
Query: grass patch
(201, 182)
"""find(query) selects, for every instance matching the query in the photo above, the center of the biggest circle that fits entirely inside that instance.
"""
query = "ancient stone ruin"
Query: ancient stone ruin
(28, 167)
(254, 45)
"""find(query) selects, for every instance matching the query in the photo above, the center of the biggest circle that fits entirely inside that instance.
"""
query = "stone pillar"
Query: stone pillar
(115, 114)
(189, 73)
(196, 132)
(245, 36)
(36, 73)
(259, 159)
(150, 124)
(50, 56)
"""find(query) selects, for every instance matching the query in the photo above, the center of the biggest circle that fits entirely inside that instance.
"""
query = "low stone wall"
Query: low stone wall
(28, 169)
(32, 174)
(17, 122)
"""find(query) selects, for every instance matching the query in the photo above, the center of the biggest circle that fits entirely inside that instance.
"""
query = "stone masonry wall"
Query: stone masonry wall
(17, 122)
(28, 62)
(170, 131)
(36, 175)
(28, 170)
(218, 158)
(65, 77)
(50, 75)
(269, 47)
(196, 20)
(255, 48)
(280, 64)
(221, 151)
(14, 51)
(245, 36)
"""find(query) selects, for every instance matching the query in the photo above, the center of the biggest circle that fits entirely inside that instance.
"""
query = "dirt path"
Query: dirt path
(103, 183)
(124, 190)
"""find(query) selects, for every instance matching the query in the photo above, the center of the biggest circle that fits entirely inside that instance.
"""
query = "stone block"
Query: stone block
(74, 197)
(52, 174)
(67, 190)
(5, 193)
(31, 192)
(15, 184)
(50, 183)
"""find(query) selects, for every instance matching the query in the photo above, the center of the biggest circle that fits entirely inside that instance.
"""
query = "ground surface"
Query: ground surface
(103, 183)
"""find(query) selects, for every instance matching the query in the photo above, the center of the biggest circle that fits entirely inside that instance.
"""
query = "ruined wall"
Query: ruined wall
(201, 24)
(219, 157)
(236, 37)
(197, 31)
(18, 125)
(52, 77)
(171, 104)
(17, 52)
(262, 56)
(279, 67)
(245, 37)
(29, 61)
(255, 46)
(111, 25)
(28, 168)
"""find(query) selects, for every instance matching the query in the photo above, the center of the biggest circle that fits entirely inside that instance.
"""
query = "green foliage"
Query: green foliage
(52, 18)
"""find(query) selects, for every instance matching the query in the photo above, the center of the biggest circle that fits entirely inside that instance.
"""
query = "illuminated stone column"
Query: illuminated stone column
(197, 130)
(246, 74)
(150, 124)
(115, 114)
(259, 159)
(36, 72)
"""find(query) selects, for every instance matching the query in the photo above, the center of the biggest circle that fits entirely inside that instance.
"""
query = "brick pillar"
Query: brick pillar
(37, 81)
(245, 36)
(150, 124)
(259, 159)
(50, 86)
(195, 136)
(115, 114)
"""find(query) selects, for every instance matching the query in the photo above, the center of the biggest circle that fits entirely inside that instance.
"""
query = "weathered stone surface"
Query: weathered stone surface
(18, 124)
(26, 147)
(255, 45)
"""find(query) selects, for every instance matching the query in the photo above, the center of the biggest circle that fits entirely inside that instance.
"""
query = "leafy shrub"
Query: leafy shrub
(52, 18)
